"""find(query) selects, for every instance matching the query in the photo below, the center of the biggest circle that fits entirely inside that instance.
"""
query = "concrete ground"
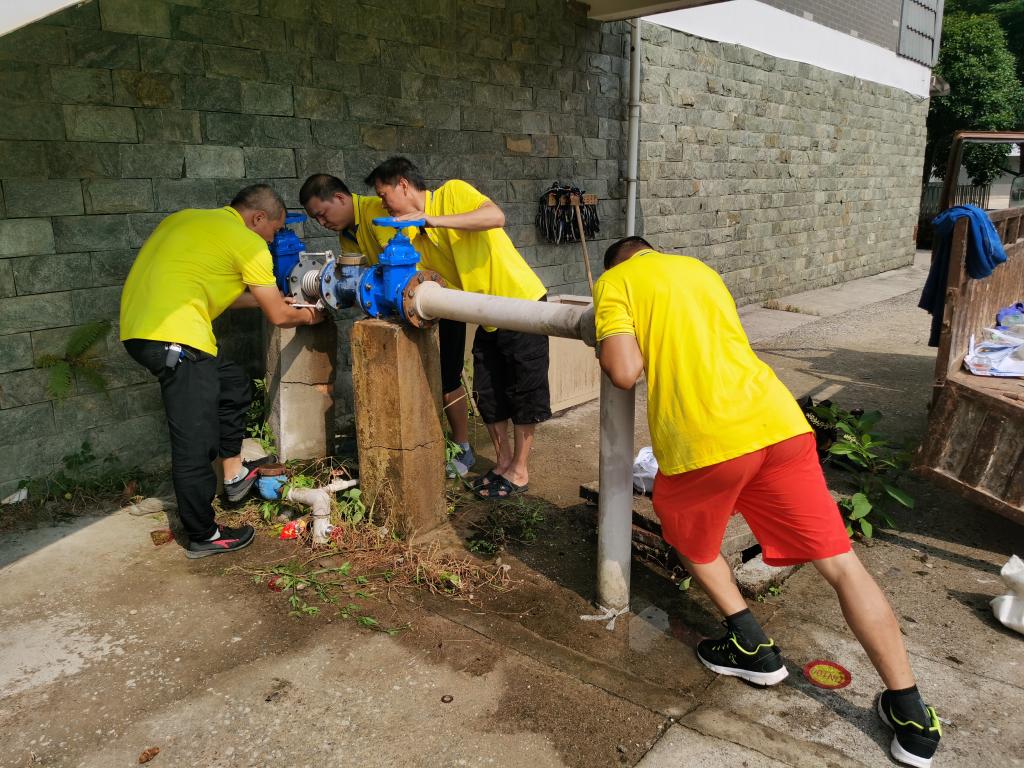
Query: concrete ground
(111, 645)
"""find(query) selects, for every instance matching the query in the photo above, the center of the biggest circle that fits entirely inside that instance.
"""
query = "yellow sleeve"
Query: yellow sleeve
(459, 196)
(257, 268)
(612, 314)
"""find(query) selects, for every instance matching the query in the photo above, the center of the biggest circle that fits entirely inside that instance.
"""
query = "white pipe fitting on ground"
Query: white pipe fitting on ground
(319, 500)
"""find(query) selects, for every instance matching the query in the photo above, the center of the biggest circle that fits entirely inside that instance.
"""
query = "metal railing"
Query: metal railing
(931, 200)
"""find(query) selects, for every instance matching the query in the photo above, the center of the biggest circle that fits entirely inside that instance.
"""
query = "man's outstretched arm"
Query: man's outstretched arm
(621, 359)
(487, 216)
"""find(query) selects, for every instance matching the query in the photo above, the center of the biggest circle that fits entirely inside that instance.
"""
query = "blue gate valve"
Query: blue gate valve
(285, 250)
(382, 288)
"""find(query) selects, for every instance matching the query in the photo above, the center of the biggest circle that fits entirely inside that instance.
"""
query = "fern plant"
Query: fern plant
(76, 361)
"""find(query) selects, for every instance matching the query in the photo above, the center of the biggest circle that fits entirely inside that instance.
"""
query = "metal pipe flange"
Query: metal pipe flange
(409, 296)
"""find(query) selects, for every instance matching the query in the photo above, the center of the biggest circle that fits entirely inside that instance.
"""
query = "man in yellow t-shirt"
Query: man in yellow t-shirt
(196, 264)
(464, 241)
(728, 436)
(329, 202)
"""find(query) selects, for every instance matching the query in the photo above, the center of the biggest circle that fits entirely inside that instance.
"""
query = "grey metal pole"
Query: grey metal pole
(615, 502)
(618, 413)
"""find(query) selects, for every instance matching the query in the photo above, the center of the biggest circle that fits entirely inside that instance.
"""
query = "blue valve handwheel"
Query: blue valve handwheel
(391, 221)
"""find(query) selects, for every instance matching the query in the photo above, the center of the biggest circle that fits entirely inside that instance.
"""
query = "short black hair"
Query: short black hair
(322, 186)
(622, 248)
(259, 197)
(394, 168)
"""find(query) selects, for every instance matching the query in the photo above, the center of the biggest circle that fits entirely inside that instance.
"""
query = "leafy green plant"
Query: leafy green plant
(514, 522)
(451, 449)
(351, 506)
(257, 419)
(876, 465)
(76, 361)
(85, 479)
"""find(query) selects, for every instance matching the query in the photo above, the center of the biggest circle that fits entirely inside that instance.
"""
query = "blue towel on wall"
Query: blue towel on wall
(984, 253)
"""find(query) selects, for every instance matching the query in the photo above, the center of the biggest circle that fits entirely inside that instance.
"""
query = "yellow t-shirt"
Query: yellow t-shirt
(478, 262)
(193, 266)
(367, 238)
(709, 397)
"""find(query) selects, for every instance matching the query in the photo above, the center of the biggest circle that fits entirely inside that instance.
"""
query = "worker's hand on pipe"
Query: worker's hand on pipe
(316, 316)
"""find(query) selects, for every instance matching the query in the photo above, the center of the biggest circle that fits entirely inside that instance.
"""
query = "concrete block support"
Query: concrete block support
(397, 378)
(300, 386)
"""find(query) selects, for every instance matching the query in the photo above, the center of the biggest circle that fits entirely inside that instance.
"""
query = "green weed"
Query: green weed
(512, 522)
(76, 361)
(875, 464)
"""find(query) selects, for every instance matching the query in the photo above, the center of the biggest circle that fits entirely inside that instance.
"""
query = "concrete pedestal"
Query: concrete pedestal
(300, 389)
(396, 376)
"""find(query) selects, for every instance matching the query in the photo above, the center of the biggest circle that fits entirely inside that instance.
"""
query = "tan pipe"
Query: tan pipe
(571, 321)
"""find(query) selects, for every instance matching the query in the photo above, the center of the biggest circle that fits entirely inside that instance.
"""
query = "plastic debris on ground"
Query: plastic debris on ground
(1009, 608)
(18, 496)
(161, 536)
(293, 529)
(645, 468)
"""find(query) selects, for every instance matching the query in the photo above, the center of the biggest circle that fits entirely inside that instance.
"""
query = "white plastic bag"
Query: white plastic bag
(1009, 608)
(645, 467)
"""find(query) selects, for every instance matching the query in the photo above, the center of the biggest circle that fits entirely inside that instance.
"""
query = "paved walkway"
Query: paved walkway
(111, 645)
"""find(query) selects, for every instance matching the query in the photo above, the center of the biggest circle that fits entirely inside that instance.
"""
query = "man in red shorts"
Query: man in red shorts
(729, 436)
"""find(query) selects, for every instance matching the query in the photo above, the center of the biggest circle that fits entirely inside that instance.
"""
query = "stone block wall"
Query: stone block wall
(117, 112)
(782, 176)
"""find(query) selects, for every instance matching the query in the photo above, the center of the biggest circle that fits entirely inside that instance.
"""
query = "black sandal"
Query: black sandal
(501, 488)
(483, 481)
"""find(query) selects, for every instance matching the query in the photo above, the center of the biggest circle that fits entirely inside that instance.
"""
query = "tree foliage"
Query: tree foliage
(1009, 14)
(985, 94)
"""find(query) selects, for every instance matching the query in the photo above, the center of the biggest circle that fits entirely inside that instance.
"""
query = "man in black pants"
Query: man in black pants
(196, 264)
(464, 240)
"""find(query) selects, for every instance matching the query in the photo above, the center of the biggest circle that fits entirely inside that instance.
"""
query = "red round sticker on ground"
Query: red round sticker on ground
(826, 674)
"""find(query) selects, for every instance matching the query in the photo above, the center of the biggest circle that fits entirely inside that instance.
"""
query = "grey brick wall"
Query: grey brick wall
(877, 21)
(119, 111)
(782, 176)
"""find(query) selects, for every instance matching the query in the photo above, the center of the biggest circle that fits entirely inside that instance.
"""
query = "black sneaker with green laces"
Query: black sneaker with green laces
(761, 665)
(913, 743)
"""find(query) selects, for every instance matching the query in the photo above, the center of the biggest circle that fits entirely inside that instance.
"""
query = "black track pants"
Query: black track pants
(206, 401)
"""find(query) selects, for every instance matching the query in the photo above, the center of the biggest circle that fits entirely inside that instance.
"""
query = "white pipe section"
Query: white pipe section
(633, 141)
(615, 502)
(618, 411)
(319, 499)
(571, 321)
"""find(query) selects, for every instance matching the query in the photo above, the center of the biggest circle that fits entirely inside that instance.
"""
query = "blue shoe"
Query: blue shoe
(461, 463)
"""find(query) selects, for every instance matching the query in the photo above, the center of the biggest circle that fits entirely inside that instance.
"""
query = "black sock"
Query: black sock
(747, 630)
(907, 704)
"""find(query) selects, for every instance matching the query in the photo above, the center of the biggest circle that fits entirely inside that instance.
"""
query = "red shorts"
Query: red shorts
(780, 491)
